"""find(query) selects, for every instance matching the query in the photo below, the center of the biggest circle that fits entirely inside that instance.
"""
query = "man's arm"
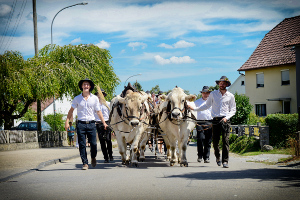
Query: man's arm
(99, 113)
(232, 109)
(70, 114)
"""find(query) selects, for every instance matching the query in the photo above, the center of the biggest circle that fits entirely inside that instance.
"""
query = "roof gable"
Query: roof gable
(271, 51)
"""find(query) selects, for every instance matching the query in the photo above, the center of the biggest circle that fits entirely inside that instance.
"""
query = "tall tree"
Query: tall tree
(56, 71)
(138, 86)
(155, 89)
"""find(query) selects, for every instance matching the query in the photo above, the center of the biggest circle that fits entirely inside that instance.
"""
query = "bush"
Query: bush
(243, 109)
(281, 128)
(253, 119)
(56, 122)
(245, 144)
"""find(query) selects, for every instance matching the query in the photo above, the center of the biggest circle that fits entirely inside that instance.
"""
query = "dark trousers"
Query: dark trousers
(204, 137)
(89, 131)
(105, 140)
(221, 128)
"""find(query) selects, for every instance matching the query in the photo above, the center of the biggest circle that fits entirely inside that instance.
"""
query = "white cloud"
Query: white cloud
(137, 44)
(77, 40)
(173, 60)
(179, 44)
(4, 9)
(251, 43)
(102, 44)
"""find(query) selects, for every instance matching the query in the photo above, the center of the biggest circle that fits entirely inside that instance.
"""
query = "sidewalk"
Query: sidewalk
(19, 162)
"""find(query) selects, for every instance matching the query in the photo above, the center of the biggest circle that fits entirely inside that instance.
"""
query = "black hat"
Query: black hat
(88, 80)
(224, 78)
(205, 89)
(103, 92)
(148, 92)
(160, 92)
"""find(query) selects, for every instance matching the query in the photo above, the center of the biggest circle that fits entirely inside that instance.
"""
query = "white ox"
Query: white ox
(129, 120)
(175, 121)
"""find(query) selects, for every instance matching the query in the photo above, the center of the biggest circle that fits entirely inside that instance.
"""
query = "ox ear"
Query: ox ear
(162, 97)
(190, 97)
(120, 99)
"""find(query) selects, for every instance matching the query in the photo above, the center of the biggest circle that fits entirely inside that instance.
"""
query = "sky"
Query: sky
(187, 44)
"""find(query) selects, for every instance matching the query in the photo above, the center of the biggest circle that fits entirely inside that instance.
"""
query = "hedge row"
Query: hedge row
(281, 128)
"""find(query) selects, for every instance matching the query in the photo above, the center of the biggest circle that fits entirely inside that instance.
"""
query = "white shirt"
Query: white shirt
(205, 114)
(221, 105)
(86, 108)
(105, 112)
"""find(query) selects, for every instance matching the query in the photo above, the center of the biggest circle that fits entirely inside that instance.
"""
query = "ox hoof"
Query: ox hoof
(172, 163)
(184, 164)
(127, 162)
(123, 162)
(142, 159)
(134, 164)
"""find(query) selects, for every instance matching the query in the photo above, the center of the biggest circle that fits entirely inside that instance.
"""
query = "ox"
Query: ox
(129, 119)
(175, 121)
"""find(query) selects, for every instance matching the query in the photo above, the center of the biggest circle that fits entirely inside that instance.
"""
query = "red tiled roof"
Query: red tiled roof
(293, 42)
(44, 104)
(271, 51)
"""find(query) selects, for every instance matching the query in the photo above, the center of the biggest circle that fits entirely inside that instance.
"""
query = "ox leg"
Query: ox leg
(143, 146)
(173, 155)
(183, 148)
(122, 148)
(166, 139)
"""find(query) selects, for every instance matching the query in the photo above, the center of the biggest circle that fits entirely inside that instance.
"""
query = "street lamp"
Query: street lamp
(130, 77)
(77, 4)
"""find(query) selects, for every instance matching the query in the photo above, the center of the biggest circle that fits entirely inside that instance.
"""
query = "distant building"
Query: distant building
(270, 72)
(238, 86)
(62, 106)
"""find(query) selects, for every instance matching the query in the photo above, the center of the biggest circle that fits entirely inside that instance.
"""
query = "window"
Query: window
(285, 77)
(260, 80)
(260, 110)
(242, 82)
(286, 105)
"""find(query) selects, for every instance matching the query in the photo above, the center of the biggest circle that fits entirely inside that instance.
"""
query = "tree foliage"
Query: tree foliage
(138, 86)
(243, 109)
(155, 89)
(55, 71)
(56, 121)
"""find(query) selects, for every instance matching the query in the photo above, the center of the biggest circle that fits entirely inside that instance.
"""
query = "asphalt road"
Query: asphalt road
(155, 179)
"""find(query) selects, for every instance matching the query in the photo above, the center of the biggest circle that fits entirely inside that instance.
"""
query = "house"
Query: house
(62, 106)
(270, 72)
(238, 86)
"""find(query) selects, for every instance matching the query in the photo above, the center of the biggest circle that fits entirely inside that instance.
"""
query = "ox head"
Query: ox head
(177, 102)
(134, 107)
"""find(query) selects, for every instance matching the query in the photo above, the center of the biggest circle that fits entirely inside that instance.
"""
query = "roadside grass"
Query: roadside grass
(286, 151)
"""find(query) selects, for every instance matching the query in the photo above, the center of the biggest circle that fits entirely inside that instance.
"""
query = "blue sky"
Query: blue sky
(171, 43)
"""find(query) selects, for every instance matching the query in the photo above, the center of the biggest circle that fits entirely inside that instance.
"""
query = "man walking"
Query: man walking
(223, 108)
(87, 104)
(204, 129)
(104, 135)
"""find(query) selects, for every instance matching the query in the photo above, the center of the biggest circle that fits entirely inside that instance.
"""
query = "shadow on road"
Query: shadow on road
(290, 177)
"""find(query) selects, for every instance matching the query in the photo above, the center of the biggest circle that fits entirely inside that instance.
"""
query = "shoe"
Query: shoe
(111, 158)
(94, 162)
(219, 163)
(206, 161)
(85, 167)
(199, 160)
(106, 161)
(225, 165)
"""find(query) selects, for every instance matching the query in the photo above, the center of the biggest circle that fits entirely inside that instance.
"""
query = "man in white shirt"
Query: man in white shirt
(204, 129)
(223, 108)
(87, 104)
(104, 135)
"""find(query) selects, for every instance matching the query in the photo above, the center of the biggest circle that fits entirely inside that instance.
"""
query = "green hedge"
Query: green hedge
(281, 127)
(244, 144)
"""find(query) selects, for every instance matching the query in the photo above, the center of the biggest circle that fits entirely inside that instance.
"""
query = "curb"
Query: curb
(47, 163)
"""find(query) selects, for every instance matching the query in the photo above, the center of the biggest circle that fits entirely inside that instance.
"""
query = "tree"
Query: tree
(243, 109)
(138, 86)
(56, 71)
(155, 89)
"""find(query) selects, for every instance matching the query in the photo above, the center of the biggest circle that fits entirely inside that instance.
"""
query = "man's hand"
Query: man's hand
(105, 126)
(67, 126)
(190, 107)
(224, 119)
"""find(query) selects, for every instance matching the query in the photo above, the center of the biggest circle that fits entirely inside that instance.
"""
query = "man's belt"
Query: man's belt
(86, 122)
(217, 119)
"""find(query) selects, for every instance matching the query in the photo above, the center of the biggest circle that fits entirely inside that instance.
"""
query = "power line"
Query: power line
(8, 23)
(16, 24)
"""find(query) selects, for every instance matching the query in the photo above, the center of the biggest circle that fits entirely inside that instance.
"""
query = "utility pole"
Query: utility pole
(36, 49)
